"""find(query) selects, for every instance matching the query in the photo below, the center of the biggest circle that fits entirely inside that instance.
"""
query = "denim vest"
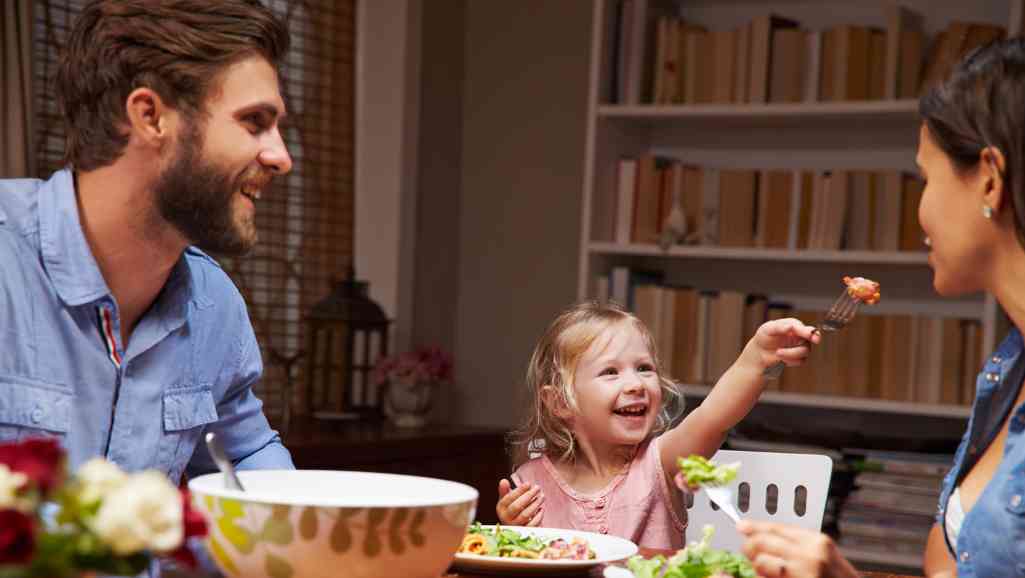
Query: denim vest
(992, 537)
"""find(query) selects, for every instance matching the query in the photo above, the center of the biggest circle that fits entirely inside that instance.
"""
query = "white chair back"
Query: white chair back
(773, 484)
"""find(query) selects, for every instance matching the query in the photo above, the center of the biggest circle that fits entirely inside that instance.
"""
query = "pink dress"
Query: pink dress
(636, 504)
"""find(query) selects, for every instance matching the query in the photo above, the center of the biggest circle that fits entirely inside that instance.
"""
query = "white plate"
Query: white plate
(606, 549)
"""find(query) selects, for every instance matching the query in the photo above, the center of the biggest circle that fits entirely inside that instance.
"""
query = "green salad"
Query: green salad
(499, 541)
(698, 471)
(697, 560)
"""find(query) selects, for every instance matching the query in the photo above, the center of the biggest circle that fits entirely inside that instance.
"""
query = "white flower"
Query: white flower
(143, 513)
(10, 483)
(99, 478)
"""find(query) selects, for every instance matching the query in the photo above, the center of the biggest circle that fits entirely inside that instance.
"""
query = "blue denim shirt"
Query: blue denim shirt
(992, 537)
(188, 367)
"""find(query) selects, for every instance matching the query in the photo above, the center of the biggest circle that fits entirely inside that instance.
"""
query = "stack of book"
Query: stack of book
(895, 502)
(659, 58)
(856, 210)
(897, 357)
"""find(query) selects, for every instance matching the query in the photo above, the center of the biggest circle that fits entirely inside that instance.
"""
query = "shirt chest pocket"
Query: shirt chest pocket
(186, 412)
(33, 410)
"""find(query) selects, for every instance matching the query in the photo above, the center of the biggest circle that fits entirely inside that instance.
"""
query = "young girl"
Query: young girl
(601, 410)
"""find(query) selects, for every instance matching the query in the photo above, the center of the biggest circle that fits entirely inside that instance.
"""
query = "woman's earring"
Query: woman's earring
(987, 211)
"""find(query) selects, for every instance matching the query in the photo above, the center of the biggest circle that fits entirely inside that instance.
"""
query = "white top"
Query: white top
(953, 518)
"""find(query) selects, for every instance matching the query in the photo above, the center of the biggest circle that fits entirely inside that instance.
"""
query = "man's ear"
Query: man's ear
(992, 164)
(555, 403)
(150, 120)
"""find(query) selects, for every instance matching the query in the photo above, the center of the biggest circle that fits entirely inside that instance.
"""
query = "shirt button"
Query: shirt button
(996, 359)
(37, 415)
(1015, 500)
(964, 556)
(600, 503)
(603, 530)
(992, 377)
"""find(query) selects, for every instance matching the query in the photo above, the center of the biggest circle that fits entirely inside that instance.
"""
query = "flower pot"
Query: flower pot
(407, 404)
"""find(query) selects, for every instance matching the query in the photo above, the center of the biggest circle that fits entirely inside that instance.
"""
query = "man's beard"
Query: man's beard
(195, 196)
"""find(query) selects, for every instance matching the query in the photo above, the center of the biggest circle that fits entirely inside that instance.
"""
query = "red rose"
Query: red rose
(194, 522)
(17, 537)
(194, 525)
(41, 459)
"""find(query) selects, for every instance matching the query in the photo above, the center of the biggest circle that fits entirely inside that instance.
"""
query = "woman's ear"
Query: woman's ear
(555, 403)
(992, 164)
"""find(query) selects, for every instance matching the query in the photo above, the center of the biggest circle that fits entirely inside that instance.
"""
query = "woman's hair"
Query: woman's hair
(982, 105)
(555, 362)
(175, 47)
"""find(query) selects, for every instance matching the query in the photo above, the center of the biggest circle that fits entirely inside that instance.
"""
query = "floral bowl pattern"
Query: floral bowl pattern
(315, 523)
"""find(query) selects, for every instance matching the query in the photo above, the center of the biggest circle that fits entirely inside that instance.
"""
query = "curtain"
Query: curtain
(305, 220)
(16, 89)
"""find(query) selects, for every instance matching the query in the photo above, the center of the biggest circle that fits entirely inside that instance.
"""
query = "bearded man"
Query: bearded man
(121, 337)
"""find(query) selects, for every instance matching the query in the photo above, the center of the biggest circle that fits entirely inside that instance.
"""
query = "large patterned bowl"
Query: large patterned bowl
(319, 523)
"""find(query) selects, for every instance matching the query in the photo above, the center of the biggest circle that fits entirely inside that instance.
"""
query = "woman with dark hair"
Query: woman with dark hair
(970, 152)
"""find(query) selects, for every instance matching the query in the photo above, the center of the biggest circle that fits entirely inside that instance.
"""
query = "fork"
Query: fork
(838, 316)
(723, 497)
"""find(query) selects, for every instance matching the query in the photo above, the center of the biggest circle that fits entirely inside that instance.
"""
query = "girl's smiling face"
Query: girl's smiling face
(617, 389)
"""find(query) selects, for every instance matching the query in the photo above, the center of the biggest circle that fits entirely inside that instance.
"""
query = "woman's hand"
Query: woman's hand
(785, 340)
(778, 550)
(522, 506)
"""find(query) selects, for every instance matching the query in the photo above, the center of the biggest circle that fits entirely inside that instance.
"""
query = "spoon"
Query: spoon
(231, 480)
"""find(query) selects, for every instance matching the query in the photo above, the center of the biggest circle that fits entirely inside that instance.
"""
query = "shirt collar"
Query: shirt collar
(66, 254)
(70, 263)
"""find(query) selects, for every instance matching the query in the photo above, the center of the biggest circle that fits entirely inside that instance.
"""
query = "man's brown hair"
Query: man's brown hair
(175, 47)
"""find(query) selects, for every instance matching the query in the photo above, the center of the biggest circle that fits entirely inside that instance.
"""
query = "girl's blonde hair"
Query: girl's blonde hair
(554, 363)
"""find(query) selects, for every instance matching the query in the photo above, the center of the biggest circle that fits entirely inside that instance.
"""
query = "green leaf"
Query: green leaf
(277, 530)
(222, 557)
(415, 534)
(699, 471)
(232, 508)
(395, 541)
(240, 538)
(372, 543)
(341, 537)
(308, 523)
(278, 567)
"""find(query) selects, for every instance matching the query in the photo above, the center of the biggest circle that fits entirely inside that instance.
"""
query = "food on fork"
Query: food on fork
(862, 289)
(697, 471)
(506, 543)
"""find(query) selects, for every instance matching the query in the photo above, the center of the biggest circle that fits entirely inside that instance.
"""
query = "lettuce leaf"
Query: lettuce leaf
(698, 471)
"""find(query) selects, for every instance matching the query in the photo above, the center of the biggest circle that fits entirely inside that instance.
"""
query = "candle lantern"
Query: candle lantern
(346, 333)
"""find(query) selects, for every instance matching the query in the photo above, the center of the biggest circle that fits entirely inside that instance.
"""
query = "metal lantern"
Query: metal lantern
(345, 335)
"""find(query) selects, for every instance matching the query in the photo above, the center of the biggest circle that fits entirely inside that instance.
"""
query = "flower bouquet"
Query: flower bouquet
(100, 519)
(409, 380)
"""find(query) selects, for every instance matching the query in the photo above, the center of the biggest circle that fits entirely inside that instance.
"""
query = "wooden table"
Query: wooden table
(472, 455)
(647, 552)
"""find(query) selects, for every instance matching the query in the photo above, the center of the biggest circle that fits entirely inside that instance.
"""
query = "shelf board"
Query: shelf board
(856, 555)
(851, 403)
(776, 114)
(746, 253)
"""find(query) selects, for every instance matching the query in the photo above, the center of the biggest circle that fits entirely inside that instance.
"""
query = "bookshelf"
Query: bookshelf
(813, 134)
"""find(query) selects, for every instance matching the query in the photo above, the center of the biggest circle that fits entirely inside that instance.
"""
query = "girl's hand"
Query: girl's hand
(778, 550)
(681, 483)
(783, 340)
(522, 506)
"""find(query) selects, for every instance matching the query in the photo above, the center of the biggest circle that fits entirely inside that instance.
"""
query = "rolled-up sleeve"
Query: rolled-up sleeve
(247, 437)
